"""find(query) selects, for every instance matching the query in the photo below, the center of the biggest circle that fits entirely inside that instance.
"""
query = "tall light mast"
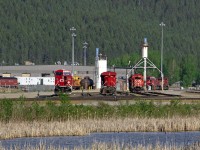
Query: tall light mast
(85, 52)
(161, 57)
(72, 29)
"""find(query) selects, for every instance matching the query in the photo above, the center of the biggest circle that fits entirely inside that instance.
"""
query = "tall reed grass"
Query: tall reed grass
(14, 129)
(106, 146)
(19, 119)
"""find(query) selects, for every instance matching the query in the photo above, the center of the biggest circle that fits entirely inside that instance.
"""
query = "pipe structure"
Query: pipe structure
(96, 67)
(145, 64)
(145, 56)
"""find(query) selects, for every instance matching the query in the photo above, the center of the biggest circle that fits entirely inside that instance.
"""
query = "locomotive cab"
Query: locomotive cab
(63, 81)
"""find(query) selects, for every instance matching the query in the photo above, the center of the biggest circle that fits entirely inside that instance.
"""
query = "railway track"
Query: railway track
(120, 95)
(114, 98)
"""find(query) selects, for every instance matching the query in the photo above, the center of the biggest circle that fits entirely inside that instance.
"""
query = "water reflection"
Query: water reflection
(131, 138)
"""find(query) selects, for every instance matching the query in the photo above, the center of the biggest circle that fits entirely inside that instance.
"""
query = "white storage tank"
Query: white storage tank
(145, 49)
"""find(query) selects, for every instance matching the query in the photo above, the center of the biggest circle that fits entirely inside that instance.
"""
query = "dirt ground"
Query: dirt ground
(184, 93)
(23, 94)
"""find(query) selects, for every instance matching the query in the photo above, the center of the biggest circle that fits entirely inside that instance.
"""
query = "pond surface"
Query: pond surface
(131, 138)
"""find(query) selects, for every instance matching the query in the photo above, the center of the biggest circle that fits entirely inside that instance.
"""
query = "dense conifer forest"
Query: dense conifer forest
(39, 31)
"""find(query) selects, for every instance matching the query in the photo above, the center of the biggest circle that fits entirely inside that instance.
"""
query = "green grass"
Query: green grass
(21, 111)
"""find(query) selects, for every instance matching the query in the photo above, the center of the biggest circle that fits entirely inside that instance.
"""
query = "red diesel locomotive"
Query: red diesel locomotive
(152, 83)
(165, 83)
(136, 82)
(108, 83)
(63, 81)
(156, 83)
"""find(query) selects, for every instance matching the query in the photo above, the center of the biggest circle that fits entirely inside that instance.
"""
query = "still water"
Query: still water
(131, 138)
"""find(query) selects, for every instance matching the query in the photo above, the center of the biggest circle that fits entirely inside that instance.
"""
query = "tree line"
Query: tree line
(39, 31)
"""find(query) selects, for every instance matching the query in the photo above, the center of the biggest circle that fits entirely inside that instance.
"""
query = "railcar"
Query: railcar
(156, 83)
(108, 83)
(8, 82)
(136, 82)
(165, 83)
(63, 81)
(152, 83)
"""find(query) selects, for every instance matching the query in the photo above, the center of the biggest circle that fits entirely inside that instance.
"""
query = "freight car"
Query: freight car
(33, 81)
(63, 81)
(108, 83)
(136, 82)
(8, 82)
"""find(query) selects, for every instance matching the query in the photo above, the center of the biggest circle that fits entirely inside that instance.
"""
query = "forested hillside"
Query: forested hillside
(39, 31)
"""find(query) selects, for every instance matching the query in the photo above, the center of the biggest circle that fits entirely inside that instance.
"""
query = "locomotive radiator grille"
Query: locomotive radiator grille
(138, 83)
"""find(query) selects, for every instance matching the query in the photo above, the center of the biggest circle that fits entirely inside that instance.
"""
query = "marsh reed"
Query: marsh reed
(14, 129)
(19, 119)
(106, 146)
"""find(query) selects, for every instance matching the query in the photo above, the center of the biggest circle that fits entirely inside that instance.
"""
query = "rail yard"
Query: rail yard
(90, 96)
(97, 84)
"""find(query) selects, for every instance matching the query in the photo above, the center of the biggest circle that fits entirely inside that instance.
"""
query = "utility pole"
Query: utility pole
(72, 29)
